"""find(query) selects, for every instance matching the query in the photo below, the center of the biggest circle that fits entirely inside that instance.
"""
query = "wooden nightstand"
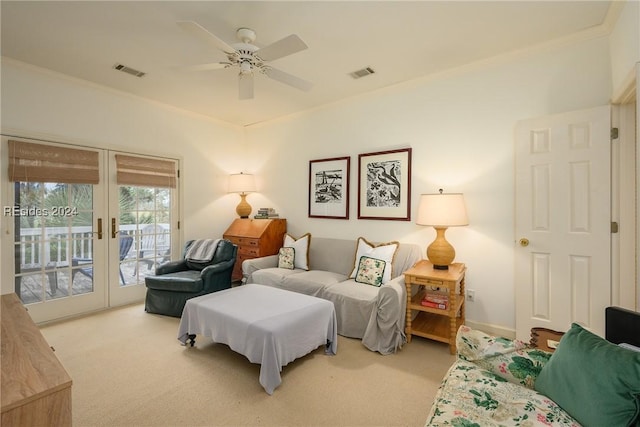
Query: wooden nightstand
(255, 238)
(434, 323)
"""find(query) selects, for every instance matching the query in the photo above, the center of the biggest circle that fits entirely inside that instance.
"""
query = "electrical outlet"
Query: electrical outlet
(471, 295)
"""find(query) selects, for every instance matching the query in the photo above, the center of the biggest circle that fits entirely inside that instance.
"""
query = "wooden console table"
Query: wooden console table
(36, 389)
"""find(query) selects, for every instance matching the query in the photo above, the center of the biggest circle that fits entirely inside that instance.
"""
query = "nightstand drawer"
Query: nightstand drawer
(425, 281)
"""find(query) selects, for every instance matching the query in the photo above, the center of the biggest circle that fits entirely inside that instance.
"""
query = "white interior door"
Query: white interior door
(563, 220)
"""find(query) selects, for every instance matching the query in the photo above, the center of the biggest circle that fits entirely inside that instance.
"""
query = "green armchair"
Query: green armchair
(177, 281)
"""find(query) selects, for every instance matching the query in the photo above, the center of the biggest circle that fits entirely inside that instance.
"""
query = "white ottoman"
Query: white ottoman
(267, 325)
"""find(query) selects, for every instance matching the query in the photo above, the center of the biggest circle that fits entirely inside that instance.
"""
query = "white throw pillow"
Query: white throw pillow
(301, 246)
(383, 251)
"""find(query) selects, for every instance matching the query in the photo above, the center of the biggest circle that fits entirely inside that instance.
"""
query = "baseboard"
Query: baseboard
(496, 330)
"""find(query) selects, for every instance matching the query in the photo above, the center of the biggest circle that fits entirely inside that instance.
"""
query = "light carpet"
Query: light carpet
(128, 369)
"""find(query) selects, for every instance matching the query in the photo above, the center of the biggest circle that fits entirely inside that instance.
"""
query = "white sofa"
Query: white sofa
(374, 314)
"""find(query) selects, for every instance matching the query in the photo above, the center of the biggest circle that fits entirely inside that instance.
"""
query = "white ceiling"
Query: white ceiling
(400, 40)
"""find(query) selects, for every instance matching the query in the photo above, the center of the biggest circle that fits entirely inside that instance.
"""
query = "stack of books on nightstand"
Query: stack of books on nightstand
(436, 300)
(266, 213)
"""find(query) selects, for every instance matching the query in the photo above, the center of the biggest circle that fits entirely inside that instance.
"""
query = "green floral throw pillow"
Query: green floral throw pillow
(595, 381)
(286, 258)
(370, 271)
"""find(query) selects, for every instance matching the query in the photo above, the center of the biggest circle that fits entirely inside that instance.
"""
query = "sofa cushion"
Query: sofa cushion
(354, 302)
(286, 257)
(512, 360)
(597, 382)
(472, 396)
(311, 282)
(370, 271)
(383, 251)
(181, 281)
(272, 276)
(332, 255)
(301, 246)
(490, 385)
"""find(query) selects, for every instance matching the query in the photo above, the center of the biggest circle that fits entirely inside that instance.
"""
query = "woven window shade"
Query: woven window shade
(145, 172)
(30, 162)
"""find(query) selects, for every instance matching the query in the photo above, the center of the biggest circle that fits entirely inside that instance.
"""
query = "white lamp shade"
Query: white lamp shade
(242, 183)
(442, 210)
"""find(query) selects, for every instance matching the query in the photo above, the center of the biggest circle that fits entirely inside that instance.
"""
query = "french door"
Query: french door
(143, 209)
(80, 247)
(56, 249)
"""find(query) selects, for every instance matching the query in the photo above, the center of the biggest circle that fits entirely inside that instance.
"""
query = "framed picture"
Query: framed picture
(384, 185)
(329, 188)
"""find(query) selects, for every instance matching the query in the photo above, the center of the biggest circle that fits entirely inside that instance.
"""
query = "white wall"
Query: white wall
(461, 127)
(40, 103)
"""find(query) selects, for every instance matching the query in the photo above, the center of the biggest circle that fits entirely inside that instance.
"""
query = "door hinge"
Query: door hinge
(614, 227)
(614, 133)
(178, 172)
(178, 225)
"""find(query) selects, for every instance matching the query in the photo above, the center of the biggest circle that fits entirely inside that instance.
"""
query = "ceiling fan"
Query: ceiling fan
(248, 58)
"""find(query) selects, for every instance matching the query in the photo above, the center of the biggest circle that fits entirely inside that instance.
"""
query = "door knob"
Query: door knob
(524, 242)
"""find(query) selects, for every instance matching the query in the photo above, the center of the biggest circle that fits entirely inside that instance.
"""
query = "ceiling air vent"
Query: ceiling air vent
(361, 73)
(128, 70)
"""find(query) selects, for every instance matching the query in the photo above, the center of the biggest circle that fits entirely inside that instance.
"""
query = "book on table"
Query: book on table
(435, 300)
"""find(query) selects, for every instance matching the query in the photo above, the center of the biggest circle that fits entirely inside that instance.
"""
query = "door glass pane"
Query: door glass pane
(145, 216)
(53, 240)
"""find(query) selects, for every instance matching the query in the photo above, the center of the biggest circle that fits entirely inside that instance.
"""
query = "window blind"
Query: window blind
(31, 162)
(145, 172)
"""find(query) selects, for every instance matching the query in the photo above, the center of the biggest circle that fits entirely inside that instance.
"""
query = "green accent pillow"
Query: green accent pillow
(286, 258)
(595, 381)
(370, 271)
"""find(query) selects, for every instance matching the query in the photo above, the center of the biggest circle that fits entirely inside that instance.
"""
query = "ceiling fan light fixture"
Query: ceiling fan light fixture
(245, 67)
(246, 35)
(251, 59)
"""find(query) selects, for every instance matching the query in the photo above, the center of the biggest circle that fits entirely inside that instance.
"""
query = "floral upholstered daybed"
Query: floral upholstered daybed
(500, 382)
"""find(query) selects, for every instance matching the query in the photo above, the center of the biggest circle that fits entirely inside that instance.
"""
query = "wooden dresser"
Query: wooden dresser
(255, 238)
(36, 389)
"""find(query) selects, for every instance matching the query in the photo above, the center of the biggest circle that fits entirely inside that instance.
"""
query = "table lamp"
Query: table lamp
(441, 211)
(242, 183)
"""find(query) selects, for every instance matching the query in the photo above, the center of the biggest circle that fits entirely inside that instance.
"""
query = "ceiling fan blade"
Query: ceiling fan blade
(287, 46)
(206, 67)
(245, 86)
(288, 79)
(204, 35)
